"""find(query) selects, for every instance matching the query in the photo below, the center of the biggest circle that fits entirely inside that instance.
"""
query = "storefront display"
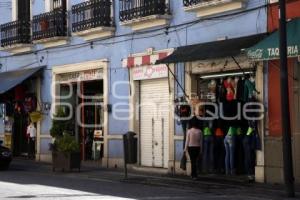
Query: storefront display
(20, 107)
(228, 146)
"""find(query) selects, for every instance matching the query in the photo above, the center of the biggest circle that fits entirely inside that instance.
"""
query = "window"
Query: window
(58, 4)
(20, 10)
(143, 14)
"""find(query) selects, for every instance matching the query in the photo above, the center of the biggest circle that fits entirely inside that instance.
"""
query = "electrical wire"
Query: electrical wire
(183, 26)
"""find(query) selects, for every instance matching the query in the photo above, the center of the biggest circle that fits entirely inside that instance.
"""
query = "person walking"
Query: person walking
(193, 144)
(31, 135)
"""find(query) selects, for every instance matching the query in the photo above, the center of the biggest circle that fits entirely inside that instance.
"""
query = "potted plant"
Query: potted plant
(65, 149)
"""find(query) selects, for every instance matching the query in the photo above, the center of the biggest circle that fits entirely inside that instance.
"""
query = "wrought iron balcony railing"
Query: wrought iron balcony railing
(92, 14)
(16, 32)
(48, 25)
(187, 3)
(134, 9)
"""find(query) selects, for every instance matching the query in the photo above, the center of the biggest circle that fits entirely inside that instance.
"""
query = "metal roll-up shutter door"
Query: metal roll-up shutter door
(154, 123)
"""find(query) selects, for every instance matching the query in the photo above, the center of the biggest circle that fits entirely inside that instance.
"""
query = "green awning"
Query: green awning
(268, 49)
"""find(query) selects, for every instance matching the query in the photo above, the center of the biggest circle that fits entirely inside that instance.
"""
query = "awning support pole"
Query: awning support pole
(285, 110)
(175, 78)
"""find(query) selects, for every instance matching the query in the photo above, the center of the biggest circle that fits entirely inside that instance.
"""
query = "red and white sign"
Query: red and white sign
(137, 61)
(150, 72)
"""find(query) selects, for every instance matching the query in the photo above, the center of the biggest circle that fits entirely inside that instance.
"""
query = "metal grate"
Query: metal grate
(132, 9)
(187, 3)
(91, 14)
(16, 32)
(51, 24)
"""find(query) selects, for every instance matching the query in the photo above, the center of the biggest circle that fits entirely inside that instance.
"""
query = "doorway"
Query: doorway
(154, 123)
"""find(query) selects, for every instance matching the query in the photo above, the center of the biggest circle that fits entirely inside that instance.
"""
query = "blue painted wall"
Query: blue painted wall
(5, 10)
(116, 49)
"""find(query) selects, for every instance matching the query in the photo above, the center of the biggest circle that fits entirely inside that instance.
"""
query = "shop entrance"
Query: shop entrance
(228, 136)
(18, 103)
(92, 114)
(86, 100)
(154, 123)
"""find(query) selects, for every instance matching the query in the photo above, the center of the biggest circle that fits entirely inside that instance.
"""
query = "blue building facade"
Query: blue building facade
(114, 49)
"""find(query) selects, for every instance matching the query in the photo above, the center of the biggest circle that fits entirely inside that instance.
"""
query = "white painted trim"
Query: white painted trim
(95, 33)
(105, 102)
(14, 9)
(89, 65)
(48, 6)
(18, 48)
(260, 155)
(59, 69)
(172, 153)
(53, 41)
(169, 51)
(147, 22)
(38, 127)
(215, 7)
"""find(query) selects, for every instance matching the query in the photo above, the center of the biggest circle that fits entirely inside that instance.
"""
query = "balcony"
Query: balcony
(205, 8)
(144, 14)
(93, 19)
(50, 29)
(15, 36)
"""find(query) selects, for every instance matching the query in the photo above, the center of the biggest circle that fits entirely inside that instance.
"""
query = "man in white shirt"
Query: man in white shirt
(31, 135)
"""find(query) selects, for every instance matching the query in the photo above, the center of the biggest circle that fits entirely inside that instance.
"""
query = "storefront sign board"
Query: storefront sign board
(150, 72)
(79, 76)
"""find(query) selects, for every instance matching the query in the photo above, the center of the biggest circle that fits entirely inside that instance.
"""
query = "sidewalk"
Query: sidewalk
(206, 183)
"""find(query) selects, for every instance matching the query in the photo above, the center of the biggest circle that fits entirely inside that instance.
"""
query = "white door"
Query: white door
(154, 123)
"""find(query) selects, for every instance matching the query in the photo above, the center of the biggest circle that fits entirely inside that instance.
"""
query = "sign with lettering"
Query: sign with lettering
(268, 49)
(272, 53)
(79, 76)
(150, 72)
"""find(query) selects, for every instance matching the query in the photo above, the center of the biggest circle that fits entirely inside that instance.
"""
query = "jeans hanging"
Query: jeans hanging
(229, 143)
(219, 152)
(249, 153)
(208, 154)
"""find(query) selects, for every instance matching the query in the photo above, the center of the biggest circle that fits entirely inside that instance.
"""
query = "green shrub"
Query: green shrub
(58, 126)
(63, 142)
(67, 144)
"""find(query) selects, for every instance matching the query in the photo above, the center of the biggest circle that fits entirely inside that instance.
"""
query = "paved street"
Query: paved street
(30, 180)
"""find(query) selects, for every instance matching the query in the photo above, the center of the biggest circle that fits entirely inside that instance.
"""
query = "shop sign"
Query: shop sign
(272, 53)
(150, 72)
(220, 65)
(79, 76)
(268, 49)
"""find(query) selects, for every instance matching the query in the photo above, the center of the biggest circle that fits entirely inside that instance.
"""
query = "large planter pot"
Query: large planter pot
(66, 161)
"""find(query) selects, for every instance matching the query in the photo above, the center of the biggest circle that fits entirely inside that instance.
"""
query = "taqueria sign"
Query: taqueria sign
(268, 49)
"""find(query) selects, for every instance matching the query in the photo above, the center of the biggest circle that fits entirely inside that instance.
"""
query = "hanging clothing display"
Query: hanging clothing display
(227, 145)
